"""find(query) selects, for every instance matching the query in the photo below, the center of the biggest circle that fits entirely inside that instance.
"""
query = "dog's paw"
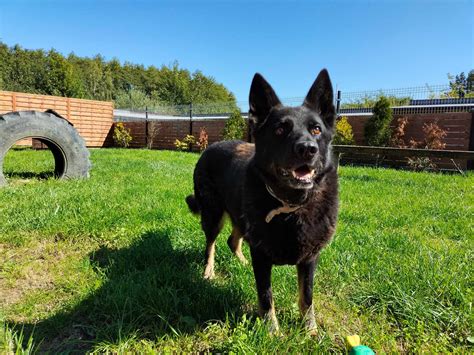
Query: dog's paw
(209, 273)
(274, 329)
(242, 258)
(310, 323)
(272, 324)
(312, 332)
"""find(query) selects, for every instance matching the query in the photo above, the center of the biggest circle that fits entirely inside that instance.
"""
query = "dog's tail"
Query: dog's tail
(193, 204)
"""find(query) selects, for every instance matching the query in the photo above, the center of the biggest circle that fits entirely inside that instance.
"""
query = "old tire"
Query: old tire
(71, 157)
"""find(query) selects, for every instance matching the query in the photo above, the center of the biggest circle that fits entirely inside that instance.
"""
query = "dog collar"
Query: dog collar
(286, 208)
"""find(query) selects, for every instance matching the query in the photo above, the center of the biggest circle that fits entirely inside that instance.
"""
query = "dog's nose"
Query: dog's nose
(306, 150)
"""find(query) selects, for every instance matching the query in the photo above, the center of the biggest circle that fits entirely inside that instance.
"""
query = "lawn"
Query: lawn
(115, 263)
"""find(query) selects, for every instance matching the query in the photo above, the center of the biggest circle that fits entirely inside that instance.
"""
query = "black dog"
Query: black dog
(281, 194)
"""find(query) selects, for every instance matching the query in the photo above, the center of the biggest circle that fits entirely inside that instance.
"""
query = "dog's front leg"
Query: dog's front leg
(262, 269)
(305, 286)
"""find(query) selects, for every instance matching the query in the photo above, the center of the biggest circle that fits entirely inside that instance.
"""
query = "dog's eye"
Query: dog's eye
(283, 128)
(315, 131)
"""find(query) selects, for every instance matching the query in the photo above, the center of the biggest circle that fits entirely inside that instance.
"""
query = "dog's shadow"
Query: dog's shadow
(149, 289)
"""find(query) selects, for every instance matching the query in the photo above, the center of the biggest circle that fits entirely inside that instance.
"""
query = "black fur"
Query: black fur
(291, 158)
(193, 204)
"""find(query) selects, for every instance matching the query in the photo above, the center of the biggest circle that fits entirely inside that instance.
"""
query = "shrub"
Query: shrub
(122, 136)
(203, 140)
(344, 134)
(134, 99)
(370, 100)
(234, 127)
(421, 164)
(377, 128)
(434, 135)
(186, 144)
(153, 131)
(398, 134)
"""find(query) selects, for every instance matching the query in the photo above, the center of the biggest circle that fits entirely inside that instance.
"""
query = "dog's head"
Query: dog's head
(292, 143)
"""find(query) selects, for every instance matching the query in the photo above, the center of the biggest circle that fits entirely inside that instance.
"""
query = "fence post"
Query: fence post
(14, 101)
(338, 102)
(190, 118)
(146, 126)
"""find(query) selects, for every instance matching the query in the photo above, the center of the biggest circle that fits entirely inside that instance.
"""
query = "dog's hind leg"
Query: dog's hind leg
(235, 244)
(211, 222)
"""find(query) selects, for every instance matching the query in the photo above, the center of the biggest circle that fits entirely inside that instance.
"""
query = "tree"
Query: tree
(377, 128)
(234, 126)
(134, 100)
(172, 85)
(132, 85)
(5, 66)
(21, 74)
(460, 85)
(60, 78)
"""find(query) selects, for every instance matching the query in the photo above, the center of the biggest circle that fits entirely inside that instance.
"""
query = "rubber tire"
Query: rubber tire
(71, 157)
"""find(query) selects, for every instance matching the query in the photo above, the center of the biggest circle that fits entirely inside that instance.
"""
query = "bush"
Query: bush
(434, 135)
(344, 134)
(203, 140)
(122, 136)
(234, 127)
(153, 131)
(398, 134)
(186, 144)
(377, 128)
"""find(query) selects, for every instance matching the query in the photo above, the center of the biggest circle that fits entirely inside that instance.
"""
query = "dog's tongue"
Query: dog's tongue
(303, 172)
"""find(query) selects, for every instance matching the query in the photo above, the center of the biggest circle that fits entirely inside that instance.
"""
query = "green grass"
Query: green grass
(114, 263)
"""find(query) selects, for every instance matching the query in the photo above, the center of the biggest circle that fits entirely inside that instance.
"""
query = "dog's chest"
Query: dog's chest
(296, 236)
(290, 238)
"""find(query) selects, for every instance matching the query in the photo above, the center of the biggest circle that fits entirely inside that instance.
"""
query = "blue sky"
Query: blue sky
(365, 45)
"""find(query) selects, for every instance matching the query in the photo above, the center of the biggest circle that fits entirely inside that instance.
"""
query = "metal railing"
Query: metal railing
(419, 99)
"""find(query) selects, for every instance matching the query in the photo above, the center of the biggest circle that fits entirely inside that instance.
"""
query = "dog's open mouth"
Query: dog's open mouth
(303, 174)
(301, 177)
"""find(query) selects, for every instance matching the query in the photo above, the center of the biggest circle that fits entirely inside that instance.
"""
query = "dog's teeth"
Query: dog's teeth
(306, 178)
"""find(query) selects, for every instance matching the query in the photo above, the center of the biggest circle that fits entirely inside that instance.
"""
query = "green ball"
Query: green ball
(361, 350)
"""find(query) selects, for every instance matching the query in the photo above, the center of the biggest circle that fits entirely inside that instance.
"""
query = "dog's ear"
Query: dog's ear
(262, 99)
(320, 98)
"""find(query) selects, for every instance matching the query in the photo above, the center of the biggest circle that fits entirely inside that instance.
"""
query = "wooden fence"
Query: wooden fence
(92, 119)
(94, 122)
(159, 134)
(456, 124)
(459, 127)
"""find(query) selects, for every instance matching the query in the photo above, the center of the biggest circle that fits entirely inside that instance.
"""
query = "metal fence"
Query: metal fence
(410, 100)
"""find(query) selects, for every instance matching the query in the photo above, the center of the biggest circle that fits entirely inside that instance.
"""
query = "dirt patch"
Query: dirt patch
(31, 268)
